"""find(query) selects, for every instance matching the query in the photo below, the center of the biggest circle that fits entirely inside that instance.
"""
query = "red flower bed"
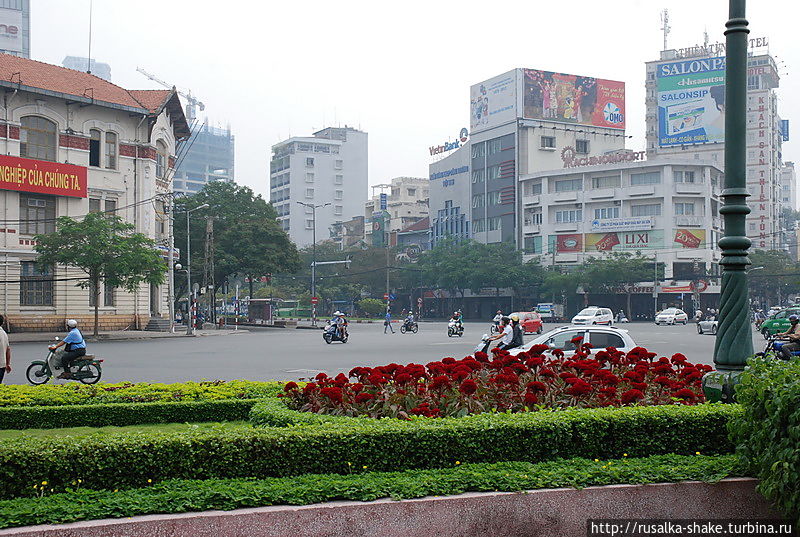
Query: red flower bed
(529, 381)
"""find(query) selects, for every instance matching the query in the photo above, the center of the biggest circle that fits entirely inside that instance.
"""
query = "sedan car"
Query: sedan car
(600, 337)
(594, 315)
(707, 327)
(672, 316)
(530, 321)
(777, 322)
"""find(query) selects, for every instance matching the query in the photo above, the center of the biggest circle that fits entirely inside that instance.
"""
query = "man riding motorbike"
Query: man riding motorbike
(341, 324)
(505, 334)
(793, 335)
(409, 320)
(456, 318)
(497, 319)
(74, 347)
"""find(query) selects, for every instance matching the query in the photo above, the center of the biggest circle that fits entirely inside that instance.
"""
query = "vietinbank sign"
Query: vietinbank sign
(449, 146)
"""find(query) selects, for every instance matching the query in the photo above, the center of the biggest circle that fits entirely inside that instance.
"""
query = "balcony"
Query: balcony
(602, 193)
(566, 196)
(532, 200)
(696, 189)
(529, 227)
(692, 221)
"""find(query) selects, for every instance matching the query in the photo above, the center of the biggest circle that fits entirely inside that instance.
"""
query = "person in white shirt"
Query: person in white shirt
(505, 335)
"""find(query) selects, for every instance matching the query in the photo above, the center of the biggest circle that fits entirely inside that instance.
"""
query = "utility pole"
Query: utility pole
(313, 257)
(387, 277)
(169, 209)
(191, 310)
(208, 267)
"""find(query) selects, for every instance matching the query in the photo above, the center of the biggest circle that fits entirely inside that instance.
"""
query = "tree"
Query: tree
(372, 306)
(617, 270)
(106, 249)
(778, 277)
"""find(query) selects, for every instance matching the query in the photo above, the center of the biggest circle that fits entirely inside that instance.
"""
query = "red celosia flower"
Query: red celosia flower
(440, 382)
(641, 386)
(534, 361)
(340, 380)
(608, 391)
(321, 376)
(448, 360)
(536, 386)
(576, 340)
(685, 393)
(545, 372)
(579, 388)
(630, 396)
(566, 375)
(678, 358)
(531, 399)
(403, 378)
(364, 397)
(481, 356)
(538, 349)
(333, 393)
(310, 387)
(376, 378)
(468, 387)
(634, 376)
(663, 381)
(289, 386)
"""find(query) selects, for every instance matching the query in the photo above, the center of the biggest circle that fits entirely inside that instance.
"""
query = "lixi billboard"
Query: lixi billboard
(691, 101)
(573, 99)
(42, 177)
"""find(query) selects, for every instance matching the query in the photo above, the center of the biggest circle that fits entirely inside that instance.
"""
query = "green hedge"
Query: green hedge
(121, 414)
(767, 432)
(127, 392)
(177, 496)
(128, 460)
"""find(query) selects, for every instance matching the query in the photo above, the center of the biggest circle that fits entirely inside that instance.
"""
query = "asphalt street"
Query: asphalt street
(290, 353)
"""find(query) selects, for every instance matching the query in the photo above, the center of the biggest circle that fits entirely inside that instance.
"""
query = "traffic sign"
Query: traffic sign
(419, 300)
(314, 300)
(386, 296)
(392, 297)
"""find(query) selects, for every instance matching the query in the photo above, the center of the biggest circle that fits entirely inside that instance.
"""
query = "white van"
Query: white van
(594, 315)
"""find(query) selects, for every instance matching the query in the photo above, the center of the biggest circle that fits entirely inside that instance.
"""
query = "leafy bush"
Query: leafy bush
(766, 432)
(372, 306)
(126, 392)
(176, 496)
(128, 460)
(526, 381)
(121, 414)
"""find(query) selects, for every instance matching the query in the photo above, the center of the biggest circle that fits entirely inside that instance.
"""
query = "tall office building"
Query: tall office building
(789, 186)
(82, 63)
(208, 157)
(686, 118)
(328, 169)
(15, 27)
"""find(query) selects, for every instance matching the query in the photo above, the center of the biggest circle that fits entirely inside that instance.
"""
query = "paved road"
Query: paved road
(290, 354)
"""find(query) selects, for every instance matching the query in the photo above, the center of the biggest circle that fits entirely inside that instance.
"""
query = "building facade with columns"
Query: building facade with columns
(73, 143)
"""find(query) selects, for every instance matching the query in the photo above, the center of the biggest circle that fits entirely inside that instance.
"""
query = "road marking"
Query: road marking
(304, 370)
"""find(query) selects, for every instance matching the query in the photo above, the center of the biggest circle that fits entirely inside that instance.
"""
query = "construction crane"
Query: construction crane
(191, 102)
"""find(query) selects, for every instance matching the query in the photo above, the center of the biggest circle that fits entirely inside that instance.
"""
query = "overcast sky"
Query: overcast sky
(402, 73)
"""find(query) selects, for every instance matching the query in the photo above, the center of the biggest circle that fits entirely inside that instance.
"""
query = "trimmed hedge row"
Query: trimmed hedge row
(177, 496)
(122, 414)
(118, 461)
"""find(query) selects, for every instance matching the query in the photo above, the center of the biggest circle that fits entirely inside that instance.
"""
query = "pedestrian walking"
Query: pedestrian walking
(5, 350)
(387, 322)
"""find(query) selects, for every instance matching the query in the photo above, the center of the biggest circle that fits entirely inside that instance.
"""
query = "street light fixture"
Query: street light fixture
(192, 306)
(313, 255)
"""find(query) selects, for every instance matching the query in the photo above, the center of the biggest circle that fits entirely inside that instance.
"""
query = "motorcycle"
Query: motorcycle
(483, 346)
(85, 369)
(773, 349)
(455, 328)
(411, 327)
(331, 334)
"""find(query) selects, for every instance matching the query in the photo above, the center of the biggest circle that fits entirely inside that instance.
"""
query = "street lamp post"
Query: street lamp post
(734, 343)
(313, 256)
(191, 312)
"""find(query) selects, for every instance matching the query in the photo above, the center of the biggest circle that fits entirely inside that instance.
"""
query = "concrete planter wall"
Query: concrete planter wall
(546, 513)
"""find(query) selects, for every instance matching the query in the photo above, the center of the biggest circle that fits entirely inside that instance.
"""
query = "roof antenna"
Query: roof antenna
(89, 59)
(665, 25)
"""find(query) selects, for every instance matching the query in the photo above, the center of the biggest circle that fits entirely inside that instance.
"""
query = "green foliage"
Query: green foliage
(372, 306)
(177, 496)
(778, 277)
(766, 433)
(106, 249)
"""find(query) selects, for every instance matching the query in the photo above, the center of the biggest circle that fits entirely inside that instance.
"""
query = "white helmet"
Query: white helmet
(72, 323)
(337, 313)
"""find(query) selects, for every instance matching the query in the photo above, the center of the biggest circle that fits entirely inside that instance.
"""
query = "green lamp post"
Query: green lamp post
(734, 343)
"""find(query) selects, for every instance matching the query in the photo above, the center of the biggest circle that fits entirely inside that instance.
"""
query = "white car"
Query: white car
(707, 327)
(594, 315)
(672, 316)
(600, 337)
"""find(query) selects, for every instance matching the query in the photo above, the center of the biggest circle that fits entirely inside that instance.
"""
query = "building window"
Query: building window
(338, 180)
(309, 192)
(532, 189)
(582, 146)
(610, 181)
(493, 198)
(569, 216)
(683, 177)
(94, 147)
(494, 146)
(108, 295)
(533, 218)
(338, 164)
(478, 200)
(339, 194)
(548, 142)
(37, 214)
(111, 151)
(478, 225)
(493, 224)
(684, 209)
(37, 138)
(478, 176)
(493, 172)
(309, 178)
(337, 210)
(478, 151)
(303, 147)
(412, 192)
(310, 162)
(36, 287)
(94, 205)
(606, 212)
(111, 206)
(568, 185)
(651, 209)
(161, 160)
(309, 223)
(650, 178)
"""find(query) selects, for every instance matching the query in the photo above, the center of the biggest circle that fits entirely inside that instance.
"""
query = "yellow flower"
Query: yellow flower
(349, 464)
(597, 460)
(697, 453)
(624, 454)
(364, 467)
(116, 490)
(44, 482)
(458, 462)
(149, 480)
(79, 481)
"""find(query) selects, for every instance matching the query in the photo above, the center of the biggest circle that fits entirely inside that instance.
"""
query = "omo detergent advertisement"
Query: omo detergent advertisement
(691, 101)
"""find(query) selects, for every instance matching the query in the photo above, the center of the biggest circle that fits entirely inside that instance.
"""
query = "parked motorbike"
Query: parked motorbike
(331, 334)
(455, 329)
(773, 349)
(483, 346)
(85, 369)
(411, 327)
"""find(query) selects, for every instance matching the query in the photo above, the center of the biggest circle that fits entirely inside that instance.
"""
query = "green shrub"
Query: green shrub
(767, 432)
(128, 460)
(121, 414)
(177, 496)
(126, 392)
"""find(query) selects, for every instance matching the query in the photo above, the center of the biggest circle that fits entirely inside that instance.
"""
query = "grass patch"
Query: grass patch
(178, 496)
(9, 434)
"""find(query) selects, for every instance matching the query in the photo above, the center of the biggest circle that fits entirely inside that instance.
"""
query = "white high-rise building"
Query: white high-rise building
(788, 186)
(330, 168)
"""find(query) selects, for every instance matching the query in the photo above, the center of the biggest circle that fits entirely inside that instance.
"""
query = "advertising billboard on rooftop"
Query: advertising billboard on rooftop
(576, 99)
(493, 102)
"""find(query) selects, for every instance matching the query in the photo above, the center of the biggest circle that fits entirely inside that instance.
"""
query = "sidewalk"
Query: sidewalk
(117, 335)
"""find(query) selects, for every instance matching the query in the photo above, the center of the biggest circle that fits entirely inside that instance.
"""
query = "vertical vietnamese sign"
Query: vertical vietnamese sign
(42, 177)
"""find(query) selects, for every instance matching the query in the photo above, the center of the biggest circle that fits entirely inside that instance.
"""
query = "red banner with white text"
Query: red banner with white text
(42, 177)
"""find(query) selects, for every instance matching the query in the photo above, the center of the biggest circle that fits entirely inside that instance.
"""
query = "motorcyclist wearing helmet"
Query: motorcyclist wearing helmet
(516, 333)
(74, 347)
(505, 333)
(341, 323)
(793, 335)
(498, 318)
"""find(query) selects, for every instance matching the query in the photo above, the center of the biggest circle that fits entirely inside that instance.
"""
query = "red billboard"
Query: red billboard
(42, 177)
(573, 99)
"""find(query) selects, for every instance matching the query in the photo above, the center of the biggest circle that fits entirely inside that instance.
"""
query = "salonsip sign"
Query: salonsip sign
(449, 146)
